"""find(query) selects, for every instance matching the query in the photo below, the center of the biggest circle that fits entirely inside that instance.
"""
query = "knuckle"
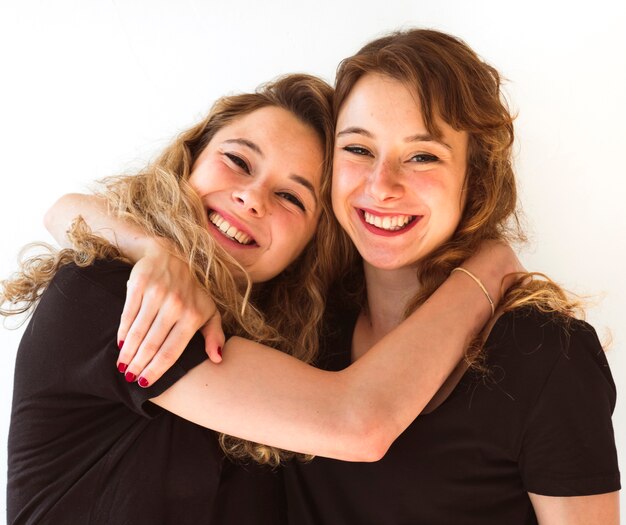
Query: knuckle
(135, 334)
(194, 317)
(155, 293)
(166, 355)
(126, 317)
(176, 300)
(137, 279)
(149, 348)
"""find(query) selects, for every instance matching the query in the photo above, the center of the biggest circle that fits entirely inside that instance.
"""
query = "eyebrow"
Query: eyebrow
(419, 137)
(296, 178)
(247, 143)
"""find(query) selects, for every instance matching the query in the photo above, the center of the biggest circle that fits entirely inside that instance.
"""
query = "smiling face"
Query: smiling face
(259, 180)
(397, 190)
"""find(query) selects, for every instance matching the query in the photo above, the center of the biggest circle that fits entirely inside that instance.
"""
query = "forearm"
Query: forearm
(269, 397)
(129, 238)
(392, 383)
(266, 396)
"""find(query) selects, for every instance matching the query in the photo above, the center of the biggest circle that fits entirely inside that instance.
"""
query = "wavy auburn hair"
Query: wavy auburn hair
(449, 80)
(286, 311)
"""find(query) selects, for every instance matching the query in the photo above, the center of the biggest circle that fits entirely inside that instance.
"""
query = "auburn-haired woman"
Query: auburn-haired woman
(520, 433)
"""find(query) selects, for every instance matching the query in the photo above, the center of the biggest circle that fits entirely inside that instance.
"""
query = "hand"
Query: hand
(164, 308)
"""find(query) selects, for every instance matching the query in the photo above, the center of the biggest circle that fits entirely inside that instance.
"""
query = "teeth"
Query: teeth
(229, 230)
(397, 222)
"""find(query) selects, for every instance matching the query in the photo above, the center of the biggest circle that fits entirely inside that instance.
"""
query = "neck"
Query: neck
(388, 294)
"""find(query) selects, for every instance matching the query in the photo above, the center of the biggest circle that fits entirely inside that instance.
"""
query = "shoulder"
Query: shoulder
(529, 334)
(79, 301)
(555, 371)
(533, 351)
(75, 288)
(104, 276)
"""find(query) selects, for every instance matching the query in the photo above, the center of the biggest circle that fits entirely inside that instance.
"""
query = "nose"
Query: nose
(251, 200)
(384, 182)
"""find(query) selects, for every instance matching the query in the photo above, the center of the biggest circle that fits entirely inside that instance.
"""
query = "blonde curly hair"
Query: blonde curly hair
(285, 312)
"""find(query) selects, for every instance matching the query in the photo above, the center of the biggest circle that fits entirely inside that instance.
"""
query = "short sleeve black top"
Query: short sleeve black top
(85, 446)
(538, 421)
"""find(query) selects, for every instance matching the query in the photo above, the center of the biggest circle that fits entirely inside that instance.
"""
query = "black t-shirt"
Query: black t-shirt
(85, 446)
(539, 421)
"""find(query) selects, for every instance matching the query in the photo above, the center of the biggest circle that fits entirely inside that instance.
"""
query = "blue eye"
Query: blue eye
(424, 157)
(357, 150)
(238, 161)
(292, 199)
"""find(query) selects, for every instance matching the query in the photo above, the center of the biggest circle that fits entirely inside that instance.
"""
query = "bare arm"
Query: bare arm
(266, 396)
(269, 397)
(599, 509)
(130, 239)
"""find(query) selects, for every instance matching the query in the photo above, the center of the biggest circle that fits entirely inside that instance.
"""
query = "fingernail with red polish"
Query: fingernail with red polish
(143, 382)
(120, 344)
(130, 377)
(219, 351)
(122, 367)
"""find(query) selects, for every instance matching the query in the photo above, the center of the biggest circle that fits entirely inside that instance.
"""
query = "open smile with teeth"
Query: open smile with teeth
(390, 223)
(229, 230)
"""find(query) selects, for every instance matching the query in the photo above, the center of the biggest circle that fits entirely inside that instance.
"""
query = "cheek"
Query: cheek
(439, 194)
(209, 176)
(346, 180)
(294, 234)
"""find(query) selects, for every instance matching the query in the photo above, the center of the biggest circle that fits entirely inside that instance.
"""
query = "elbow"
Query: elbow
(374, 442)
(369, 438)
(51, 217)
(365, 422)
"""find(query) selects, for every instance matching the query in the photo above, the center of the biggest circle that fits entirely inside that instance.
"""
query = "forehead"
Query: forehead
(281, 138)
(272, 126)
(378, 96)
(386, 106)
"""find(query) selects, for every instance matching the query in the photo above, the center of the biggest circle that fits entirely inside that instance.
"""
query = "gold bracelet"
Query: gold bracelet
(480, 285)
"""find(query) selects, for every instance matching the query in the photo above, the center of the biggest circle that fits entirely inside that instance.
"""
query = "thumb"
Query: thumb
(214, 338)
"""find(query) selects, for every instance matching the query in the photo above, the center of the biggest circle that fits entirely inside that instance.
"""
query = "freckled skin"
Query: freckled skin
(386, 163)
(257, 190)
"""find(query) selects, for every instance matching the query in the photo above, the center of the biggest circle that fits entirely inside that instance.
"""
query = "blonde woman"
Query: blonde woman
(243, 198)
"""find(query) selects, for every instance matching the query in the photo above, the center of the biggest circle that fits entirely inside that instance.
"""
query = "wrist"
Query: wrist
(141, 245)
(491, 265)
(480, 285)
(469, 301)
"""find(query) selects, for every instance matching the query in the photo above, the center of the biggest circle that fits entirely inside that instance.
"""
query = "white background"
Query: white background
(90, 89)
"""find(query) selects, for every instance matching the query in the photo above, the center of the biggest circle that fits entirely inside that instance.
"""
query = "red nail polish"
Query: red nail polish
(219, 351)
(130, 377)
(122, 367)
(120, 344)
(143, 382)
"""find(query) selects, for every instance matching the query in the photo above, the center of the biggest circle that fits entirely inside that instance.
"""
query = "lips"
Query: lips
(229, 230)
(388, 224)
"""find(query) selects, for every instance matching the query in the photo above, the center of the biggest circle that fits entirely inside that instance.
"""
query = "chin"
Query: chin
(388, 263)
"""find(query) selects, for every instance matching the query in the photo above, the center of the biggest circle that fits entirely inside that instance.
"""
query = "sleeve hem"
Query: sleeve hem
(587, 486)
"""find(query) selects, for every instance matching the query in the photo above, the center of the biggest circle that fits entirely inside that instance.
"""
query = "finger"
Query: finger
(132, 305)
(214, 338)
(165, 320)
(137, 333)
(171, 349)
